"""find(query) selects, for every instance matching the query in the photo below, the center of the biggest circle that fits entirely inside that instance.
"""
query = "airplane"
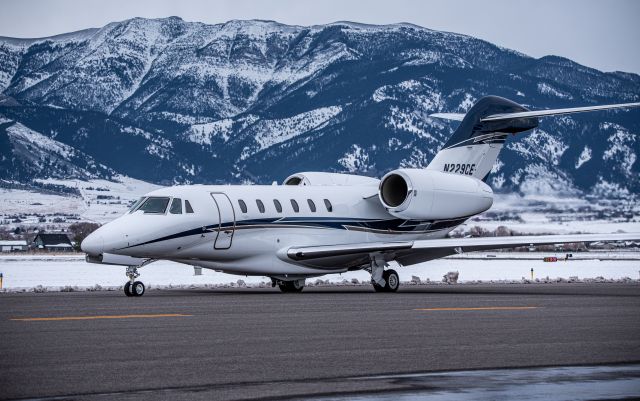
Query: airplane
(319, 223)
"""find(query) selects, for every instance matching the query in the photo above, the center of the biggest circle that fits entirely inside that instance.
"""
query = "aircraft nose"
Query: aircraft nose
(93, 244)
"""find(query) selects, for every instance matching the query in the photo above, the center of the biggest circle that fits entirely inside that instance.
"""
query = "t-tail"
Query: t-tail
(474, 146)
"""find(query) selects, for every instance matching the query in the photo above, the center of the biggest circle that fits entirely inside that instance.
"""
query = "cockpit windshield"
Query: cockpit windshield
(135, 204)
(153, 204)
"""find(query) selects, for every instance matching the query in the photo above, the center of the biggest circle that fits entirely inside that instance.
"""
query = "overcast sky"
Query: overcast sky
(603, 34)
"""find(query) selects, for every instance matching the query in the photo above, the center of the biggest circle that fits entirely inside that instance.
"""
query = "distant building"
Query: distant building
(53, 242)
(13, 246)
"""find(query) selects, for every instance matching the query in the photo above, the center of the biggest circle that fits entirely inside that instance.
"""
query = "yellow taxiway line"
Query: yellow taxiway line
(479, 308)
(61, 318)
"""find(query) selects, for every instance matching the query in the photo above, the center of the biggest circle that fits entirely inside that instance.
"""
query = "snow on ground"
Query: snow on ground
(54, 271)
(72, 270)
(540, 214)
(100, 200)
(585, 156)
(540, 225)
(273, 132)
(355, 159)
(17, 201)
(547, 89)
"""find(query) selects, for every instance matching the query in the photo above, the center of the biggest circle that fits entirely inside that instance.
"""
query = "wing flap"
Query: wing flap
(325, 251)
(447, 245)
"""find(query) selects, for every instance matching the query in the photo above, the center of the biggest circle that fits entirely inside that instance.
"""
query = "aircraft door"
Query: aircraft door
(226, 220)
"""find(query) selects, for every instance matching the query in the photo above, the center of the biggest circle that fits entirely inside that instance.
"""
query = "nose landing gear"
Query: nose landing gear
(133, 288)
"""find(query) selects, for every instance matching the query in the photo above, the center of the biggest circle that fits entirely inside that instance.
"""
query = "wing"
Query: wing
(555, 112)
(411, 252)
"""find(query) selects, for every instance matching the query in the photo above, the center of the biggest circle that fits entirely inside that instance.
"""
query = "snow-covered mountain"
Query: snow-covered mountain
(166, 101)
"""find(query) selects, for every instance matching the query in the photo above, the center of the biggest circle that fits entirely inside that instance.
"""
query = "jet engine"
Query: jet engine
(319, 178)
(416, 194)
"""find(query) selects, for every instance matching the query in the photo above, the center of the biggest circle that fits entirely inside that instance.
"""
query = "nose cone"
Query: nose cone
(93, 244)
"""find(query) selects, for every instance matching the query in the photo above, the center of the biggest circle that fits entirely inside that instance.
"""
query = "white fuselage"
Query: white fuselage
(319, 223)
(220, 235)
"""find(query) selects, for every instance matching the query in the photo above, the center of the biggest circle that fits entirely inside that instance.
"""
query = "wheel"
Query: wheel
(291, 286)
(392, 279)
(127, 289)
(137, 289)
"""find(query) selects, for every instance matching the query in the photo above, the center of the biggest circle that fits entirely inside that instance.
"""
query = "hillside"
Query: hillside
(168, 101)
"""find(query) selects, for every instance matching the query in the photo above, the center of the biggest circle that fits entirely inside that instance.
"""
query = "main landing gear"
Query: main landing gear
(133, 288)
(381, 279)
(289, 286)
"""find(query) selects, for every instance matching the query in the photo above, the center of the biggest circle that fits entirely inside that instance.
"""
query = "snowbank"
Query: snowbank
(72, 273)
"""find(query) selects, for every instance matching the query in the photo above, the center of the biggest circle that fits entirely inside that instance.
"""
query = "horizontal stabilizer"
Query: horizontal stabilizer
(483, 130)
(555, 112)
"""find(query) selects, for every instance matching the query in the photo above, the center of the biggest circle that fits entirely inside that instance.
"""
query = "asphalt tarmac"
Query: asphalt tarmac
(327, 341)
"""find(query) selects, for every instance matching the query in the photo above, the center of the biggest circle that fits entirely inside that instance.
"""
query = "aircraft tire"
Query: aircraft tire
(377, 288)
(392, 280)
(290, 286)
(137, 290)
(127, 289)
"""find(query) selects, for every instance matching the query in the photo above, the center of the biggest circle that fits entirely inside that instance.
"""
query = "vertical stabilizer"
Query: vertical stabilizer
(474, 146)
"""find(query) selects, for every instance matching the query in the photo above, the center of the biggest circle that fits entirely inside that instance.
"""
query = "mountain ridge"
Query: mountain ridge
(170, 101)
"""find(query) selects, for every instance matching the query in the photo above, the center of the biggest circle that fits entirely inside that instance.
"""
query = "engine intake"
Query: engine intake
(393, 190)
(418, 194)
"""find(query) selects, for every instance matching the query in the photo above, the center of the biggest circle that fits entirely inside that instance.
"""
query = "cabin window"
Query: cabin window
(176, 206)
(278, 206)
(260, 205)
(328, 205)
(187, 206)
(243, 206)
(135, 205)
(295, 206)
(312, 206)
(154, 205)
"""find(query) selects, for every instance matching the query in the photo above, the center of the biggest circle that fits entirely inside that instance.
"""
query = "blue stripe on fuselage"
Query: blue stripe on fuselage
(393, 226)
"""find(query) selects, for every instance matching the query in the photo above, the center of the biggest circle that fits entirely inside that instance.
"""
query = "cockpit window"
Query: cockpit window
(135, 205)
(176, 206)
(187, 206)
(154, 204)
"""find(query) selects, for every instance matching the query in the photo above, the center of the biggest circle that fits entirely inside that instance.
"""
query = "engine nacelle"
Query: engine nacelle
(417, 194)
(319, 178)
